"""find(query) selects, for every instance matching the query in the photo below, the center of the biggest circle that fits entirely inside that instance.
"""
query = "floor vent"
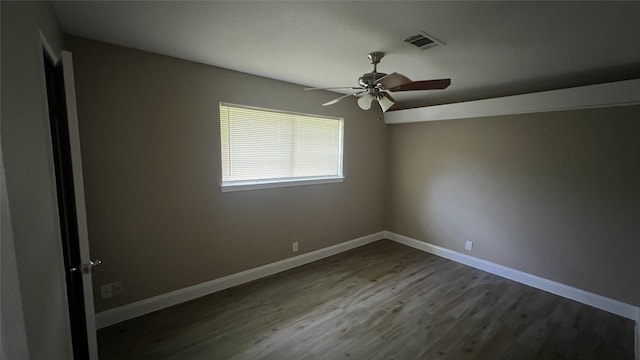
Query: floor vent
(423, 40)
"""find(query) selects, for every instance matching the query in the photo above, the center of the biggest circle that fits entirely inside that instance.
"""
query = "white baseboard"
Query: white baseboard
(138, 308)
(597, 301)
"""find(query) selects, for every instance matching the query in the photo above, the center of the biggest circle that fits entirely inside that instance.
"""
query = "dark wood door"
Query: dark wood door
(66, 205)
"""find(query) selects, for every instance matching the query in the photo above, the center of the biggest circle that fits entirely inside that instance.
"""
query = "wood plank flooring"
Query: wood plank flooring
(380, 301)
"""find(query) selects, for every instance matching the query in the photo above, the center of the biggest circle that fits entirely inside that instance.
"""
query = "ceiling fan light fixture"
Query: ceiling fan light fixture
(385, 103)
(365, 101)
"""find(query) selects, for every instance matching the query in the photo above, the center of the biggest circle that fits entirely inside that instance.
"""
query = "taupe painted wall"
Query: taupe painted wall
(32, 250)
(554, 194)
(149, 128)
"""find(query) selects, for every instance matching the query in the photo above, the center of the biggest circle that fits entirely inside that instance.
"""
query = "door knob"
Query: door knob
(86, 268)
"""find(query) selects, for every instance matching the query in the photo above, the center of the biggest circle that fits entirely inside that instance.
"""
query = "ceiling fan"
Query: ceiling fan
(376, 86)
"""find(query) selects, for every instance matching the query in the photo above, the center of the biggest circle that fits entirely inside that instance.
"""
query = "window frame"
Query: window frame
(242, 185)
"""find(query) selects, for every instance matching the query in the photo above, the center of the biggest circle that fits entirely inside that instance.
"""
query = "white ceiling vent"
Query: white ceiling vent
(423, 40)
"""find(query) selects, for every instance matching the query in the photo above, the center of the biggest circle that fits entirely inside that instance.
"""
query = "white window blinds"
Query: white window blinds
(270, 147)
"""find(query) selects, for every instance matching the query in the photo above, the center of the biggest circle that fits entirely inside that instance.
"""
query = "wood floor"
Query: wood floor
(380, 301)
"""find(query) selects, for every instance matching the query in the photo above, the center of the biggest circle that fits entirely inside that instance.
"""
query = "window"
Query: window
(266, 148)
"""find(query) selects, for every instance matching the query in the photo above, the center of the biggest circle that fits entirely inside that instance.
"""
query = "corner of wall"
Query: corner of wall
(13, 339)
(387, 208)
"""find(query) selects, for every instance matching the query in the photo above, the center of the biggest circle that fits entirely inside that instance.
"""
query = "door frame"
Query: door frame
(66, 61)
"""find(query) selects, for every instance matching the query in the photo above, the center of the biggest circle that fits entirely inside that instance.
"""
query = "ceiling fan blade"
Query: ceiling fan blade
(438, 84)
(392, 80)
(386, 101)
(334, 101)
(334, 88)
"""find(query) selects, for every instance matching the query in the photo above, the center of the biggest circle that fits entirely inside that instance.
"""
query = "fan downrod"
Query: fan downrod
(367, 80)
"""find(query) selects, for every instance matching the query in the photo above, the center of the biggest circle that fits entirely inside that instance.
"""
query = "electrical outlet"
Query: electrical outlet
(106, 291)
(117, 287)
(468, 246)
(295, 246)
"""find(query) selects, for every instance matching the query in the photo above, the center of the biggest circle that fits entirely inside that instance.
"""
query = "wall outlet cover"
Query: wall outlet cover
(116, 287)
(468, 245)
(106, 291)
(295, 246)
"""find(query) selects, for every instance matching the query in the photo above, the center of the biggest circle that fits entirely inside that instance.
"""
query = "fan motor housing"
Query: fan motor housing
(367, 80)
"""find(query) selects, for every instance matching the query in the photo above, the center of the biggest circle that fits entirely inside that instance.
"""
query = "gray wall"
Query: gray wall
(149, 128)
(549, 194)
(554, 194)
(32, 248)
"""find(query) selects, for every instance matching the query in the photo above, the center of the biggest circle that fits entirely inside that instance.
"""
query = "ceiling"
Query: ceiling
(492, 48)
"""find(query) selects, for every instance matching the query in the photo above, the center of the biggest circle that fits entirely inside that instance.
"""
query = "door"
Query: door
(71, 206)
(81, 215)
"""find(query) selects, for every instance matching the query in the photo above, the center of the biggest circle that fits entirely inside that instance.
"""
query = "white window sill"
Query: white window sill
(254, 185)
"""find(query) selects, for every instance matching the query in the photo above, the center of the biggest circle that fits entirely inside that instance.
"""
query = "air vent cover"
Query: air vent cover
(423, 40)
